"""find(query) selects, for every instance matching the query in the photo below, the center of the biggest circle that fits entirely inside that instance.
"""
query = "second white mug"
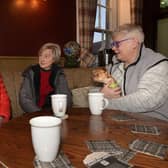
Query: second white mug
(59, 104)
(97, 103)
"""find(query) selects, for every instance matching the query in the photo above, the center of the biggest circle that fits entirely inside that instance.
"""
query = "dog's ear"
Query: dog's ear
(94, 71)
(108, 75)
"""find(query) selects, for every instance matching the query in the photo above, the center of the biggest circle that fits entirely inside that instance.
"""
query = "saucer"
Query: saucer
(63, 117)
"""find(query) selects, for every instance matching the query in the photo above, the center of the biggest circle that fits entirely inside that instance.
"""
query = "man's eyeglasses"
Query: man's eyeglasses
(117, 43)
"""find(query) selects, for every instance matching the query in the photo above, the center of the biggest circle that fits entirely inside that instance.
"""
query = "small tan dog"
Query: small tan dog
(101, 75)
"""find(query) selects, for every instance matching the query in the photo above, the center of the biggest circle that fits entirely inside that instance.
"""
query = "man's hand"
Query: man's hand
(111, 93)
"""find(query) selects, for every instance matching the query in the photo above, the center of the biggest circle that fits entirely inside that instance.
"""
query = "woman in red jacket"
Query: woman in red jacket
(4, 103)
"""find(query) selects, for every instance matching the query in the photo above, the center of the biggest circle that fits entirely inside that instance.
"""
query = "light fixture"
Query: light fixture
(163, 3)
(34, 4)
(20, 3)
(29, 4)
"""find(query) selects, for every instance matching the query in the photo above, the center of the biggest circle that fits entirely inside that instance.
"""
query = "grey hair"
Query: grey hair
(130, 30)
(55, 48)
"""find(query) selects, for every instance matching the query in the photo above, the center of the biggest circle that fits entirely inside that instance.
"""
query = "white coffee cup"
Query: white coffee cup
(59, 104)
(46, 133)
(97, 103)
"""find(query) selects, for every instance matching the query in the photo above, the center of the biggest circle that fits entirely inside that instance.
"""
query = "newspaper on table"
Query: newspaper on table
(111, 147)
(122, 117)
(104, 160)
(145, 129)
(149, 148)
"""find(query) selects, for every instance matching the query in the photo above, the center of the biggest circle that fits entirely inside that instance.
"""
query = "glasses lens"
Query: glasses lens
(114, 44)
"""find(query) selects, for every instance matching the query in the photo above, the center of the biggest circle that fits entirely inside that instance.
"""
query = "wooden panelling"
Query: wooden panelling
(25, 28)
(13, 63)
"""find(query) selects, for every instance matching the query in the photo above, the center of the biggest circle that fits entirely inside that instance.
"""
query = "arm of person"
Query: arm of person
(111, 92)
(26, 97)
(151, 93)
(4, 103)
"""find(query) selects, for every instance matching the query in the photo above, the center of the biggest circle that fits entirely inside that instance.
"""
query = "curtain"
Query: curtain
(86, 22)
(136, 11)
(124, 15)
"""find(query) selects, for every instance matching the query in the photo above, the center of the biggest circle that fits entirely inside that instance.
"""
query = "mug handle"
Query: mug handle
(106, 102)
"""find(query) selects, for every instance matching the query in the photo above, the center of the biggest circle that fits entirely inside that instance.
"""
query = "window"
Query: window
(163, 9)
(107, 18)
(163, 3)
(102, 32)
(109, 14)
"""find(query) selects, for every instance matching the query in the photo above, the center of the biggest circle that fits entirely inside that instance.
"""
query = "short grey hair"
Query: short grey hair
(130, 30)
(55, 48)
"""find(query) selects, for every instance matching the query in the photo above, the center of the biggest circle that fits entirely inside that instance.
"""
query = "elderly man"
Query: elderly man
(141, 73)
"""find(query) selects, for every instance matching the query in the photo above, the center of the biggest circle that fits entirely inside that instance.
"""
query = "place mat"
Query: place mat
(104, 160)
(144, 129)
(126, 155)
(103, 146)
(149, 148)
(61, 161)
(122, 117)
(112, 148)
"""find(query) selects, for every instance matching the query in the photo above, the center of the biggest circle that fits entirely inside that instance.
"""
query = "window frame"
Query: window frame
(111, 23)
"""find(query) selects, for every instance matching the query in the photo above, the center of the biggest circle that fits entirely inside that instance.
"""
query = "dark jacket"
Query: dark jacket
(30, 87)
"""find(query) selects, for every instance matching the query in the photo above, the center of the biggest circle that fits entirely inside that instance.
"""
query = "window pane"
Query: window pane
(97, 18)
(101, 39)
(97, 37)
(99, 42)
(101, 21)
(163, 3)
(102, 2)
(103, 18)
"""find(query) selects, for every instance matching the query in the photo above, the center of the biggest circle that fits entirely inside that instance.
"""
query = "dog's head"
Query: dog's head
(100, 75)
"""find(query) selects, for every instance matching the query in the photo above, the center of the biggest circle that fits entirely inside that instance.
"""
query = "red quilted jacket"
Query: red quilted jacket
(4, 102)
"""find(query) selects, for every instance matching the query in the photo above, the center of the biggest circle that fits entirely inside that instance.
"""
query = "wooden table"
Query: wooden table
(16, 148)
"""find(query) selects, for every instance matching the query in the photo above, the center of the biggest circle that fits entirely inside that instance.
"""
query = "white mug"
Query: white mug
(59, 104)
(46, 133)
(97, 103)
